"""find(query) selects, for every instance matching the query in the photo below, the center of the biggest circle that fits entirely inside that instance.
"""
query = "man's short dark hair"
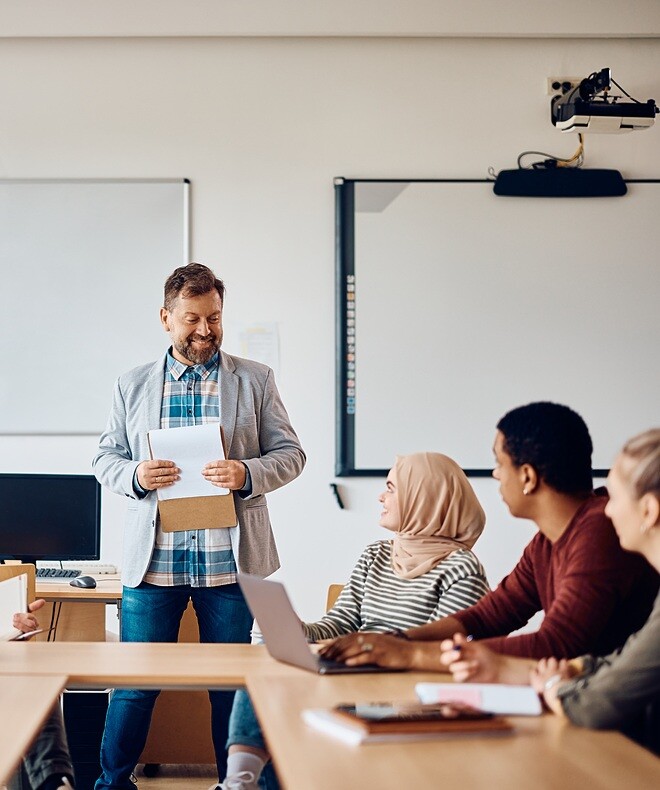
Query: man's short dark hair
(194, 279)
(554, 440)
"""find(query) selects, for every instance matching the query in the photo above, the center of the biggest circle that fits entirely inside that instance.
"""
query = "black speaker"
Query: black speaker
(84, 719)
(560, 182)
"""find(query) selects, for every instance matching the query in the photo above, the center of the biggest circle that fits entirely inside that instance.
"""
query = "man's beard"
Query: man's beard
(199, 356)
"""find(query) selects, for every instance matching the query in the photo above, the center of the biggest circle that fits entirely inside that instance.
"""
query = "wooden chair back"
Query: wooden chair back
(333, 594)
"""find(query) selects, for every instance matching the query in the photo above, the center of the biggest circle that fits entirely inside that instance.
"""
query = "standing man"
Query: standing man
(195, 383)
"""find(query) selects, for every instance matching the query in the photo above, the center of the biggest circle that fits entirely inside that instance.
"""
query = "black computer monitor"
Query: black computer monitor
(50, 517)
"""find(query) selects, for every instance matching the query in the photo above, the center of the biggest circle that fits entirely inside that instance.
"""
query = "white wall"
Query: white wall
(261, 127)
(598, 18)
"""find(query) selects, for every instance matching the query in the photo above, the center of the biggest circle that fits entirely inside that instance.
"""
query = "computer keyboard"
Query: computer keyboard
(57, 573)
(86, 567)
(91, 567)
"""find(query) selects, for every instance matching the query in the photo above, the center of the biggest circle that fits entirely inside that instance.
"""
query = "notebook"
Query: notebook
(378, 722)
(282, 630)
(13, 599)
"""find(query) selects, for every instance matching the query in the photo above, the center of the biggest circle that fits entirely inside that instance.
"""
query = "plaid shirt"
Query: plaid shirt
(201, 557)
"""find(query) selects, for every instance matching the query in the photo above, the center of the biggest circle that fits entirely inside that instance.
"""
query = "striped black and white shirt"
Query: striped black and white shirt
(375, 599)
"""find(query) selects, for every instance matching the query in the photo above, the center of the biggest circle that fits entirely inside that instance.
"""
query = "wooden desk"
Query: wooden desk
(546, 752)
(26, 702)
(140, 664)
(82, 613)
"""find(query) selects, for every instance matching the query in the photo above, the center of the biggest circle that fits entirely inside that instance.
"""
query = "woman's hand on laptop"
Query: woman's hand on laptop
(370, 648)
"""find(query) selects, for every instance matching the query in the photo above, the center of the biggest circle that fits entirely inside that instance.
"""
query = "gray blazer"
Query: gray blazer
(257, 431)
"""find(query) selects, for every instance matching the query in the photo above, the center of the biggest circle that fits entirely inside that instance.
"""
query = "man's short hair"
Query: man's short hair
(194, 279)
(554, 440)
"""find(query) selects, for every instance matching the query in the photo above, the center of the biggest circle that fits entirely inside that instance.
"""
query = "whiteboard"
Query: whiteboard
(455, 305)
(83, 266)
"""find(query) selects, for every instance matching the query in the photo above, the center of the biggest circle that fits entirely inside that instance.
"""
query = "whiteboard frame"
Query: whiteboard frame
(346, 363)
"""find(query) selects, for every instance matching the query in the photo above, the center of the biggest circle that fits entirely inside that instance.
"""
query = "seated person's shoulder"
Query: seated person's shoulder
(466, 560)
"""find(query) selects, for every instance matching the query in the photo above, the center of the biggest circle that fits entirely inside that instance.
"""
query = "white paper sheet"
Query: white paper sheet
(13, 599)
(497, 698)
(191, 448)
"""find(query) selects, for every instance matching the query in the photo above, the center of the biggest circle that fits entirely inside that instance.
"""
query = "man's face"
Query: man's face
(509, 477)
(194, 324)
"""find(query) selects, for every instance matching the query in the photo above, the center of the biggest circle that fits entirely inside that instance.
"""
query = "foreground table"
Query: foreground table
(25, 704)
(139, 665)
(545, 753)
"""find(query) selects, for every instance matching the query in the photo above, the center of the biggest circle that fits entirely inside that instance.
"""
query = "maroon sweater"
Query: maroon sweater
(594, 594)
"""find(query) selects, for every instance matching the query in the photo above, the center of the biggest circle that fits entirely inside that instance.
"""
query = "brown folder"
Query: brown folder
(197, 512)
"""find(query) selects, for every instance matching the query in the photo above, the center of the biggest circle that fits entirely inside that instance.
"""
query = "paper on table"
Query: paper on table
(497, 698)
(191, 448)
(13, 599)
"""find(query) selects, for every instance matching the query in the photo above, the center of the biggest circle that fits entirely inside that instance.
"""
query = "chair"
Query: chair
(333, 594)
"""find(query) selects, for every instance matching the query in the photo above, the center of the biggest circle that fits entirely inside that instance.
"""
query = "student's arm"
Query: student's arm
(499, 612)
(595, 575)
(615, 690)
(345, 616)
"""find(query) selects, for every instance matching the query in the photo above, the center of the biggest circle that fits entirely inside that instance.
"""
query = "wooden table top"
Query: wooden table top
(183, 665)
(108, 589)
(544, 753)
(25, 703)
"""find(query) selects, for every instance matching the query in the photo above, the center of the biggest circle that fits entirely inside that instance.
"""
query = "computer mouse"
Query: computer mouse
(83, 581)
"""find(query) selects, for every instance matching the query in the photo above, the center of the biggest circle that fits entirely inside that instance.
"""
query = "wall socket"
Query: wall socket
(559, 85)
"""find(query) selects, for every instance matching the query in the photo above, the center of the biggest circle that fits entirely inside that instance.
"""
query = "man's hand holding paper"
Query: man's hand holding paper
(226, 474)
(157, 474)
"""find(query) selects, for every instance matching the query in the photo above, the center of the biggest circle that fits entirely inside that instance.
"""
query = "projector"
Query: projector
(590, 108)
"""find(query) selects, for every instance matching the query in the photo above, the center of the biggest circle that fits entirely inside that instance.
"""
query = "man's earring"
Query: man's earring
(525, 492)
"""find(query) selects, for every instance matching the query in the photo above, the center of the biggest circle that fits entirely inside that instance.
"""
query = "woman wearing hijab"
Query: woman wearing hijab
(425, 572)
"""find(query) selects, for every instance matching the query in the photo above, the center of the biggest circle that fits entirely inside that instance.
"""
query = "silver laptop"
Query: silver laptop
(282, 630)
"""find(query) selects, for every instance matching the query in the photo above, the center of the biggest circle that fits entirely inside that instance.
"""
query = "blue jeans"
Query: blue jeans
(153, 614)
(245, 730)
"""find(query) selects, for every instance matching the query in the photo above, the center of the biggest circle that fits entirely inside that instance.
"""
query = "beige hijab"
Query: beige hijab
(439, 513)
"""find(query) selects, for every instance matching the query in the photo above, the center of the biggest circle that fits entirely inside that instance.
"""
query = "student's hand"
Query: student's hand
(546, 678)
(470, 661)
(157, 474)
(226, 474)
(28, 622)
(368, 648)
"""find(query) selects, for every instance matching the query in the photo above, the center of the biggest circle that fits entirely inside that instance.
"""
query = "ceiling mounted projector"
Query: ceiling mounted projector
(590, 108)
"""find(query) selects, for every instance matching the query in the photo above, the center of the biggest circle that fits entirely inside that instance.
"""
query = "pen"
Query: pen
(457, 647)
